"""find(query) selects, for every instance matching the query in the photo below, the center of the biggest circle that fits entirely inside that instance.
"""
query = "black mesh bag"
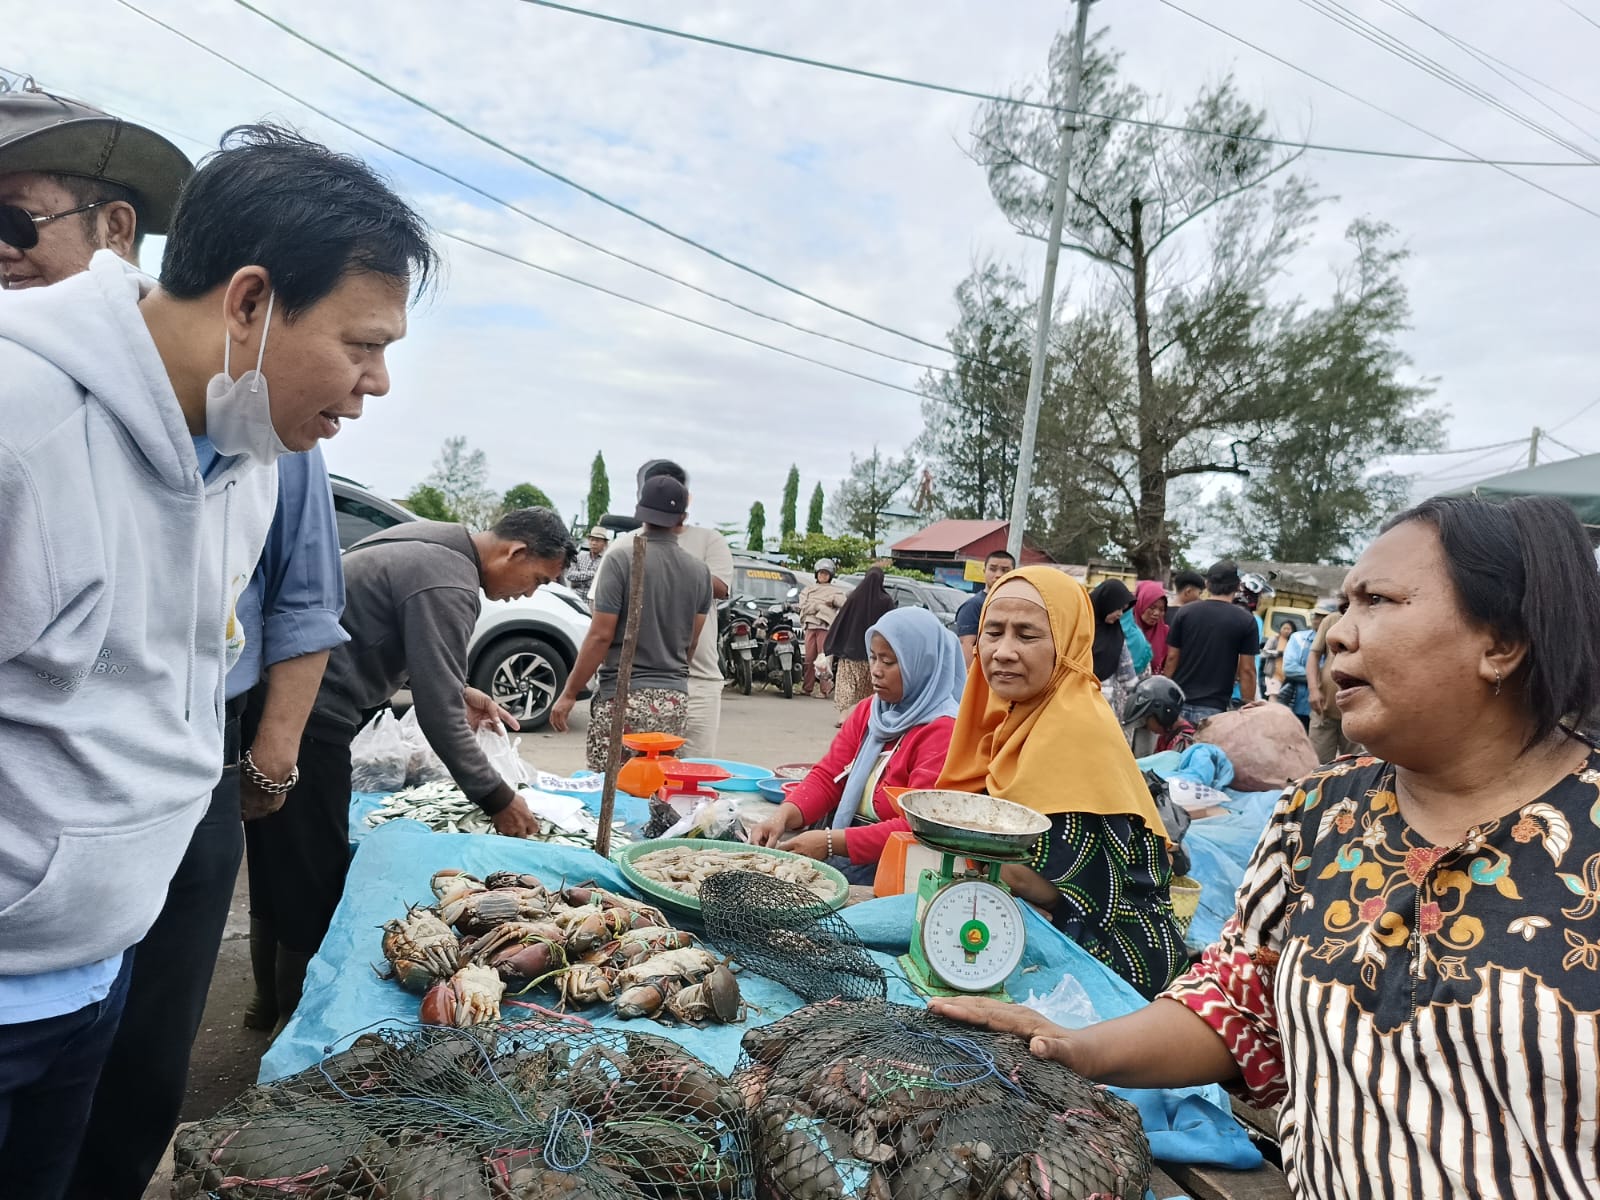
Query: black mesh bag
(779, 929)
(540, 1112)
(876, 1101)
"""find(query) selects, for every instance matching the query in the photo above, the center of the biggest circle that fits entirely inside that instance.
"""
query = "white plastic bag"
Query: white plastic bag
(423, 765)
(501, 752)
(379, 756)
(715, 819)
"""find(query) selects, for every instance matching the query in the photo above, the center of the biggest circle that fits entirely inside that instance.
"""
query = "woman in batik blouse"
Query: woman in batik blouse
(1413, 970)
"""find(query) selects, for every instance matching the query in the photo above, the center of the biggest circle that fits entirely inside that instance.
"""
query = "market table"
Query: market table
(344, 995)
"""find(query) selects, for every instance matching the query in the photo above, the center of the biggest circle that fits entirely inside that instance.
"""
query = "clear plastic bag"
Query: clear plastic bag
(1067, 1004)
(379, 756)
(501, 752)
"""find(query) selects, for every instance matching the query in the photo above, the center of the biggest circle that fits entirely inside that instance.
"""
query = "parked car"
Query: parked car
(760, 580)
(941, 601)
(521, 650)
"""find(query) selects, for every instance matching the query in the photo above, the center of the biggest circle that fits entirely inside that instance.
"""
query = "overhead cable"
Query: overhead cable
(585, 189)
(1343, 91)
(1574, 8)
(1494, 63)
(1574, 416)
(1564, 446)
(1371, 32)
(667, 312)
(1043, 106)
(520, 211)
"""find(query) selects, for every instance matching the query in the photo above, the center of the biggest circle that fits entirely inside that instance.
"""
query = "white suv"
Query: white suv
(521, 650)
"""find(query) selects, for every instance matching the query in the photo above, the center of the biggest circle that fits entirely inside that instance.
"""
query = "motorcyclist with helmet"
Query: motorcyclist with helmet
(1153, 718)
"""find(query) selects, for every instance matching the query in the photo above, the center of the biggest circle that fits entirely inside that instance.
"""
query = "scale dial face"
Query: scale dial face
(972, 935)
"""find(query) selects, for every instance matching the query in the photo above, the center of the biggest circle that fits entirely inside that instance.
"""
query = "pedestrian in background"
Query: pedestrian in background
(1326, 727)
(996, 566)
(1150, 610)
(581, 575)
(706, 683)
(1187, 586)
(677, 594)
(847, 641)
(1211, 644)
(819, 605)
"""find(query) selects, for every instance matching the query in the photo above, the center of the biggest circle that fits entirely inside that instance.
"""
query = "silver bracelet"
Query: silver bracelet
(830, 843)
(258, 780)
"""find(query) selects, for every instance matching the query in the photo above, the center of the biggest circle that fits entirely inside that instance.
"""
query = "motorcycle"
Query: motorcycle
(738, 620)
(784, 656)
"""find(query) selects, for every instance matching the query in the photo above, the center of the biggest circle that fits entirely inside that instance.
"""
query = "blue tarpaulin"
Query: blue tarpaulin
(344, 995)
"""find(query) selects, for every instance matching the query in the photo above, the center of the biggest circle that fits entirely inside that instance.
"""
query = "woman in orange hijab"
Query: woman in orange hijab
(1034, 729)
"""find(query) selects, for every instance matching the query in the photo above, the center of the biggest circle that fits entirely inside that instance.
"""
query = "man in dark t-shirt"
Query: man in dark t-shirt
(677, 593)
(1211, 644)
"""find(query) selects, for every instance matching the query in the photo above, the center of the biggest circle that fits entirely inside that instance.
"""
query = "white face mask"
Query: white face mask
(238, 412)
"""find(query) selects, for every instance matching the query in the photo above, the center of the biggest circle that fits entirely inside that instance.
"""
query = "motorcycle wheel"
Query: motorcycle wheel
(741, 674)
(786, 684)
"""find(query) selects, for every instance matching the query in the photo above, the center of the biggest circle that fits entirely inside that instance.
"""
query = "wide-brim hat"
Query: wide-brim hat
(41, 132)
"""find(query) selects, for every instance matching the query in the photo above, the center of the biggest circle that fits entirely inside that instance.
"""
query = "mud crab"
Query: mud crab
(469, 997)
(420, 950)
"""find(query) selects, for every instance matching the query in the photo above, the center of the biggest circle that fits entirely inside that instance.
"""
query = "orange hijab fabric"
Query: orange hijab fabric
(1062, 751)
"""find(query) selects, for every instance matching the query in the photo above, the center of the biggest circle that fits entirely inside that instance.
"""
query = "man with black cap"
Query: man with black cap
(677, 595)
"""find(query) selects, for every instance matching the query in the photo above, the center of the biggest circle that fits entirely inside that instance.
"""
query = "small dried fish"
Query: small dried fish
(444, 808)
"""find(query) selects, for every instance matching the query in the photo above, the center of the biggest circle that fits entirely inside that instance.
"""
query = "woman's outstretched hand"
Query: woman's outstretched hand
(1045, 1038)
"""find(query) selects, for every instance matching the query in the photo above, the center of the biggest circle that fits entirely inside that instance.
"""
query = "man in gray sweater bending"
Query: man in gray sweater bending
(412, 596)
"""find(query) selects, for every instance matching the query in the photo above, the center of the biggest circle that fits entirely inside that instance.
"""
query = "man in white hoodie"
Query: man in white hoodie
(135, 496)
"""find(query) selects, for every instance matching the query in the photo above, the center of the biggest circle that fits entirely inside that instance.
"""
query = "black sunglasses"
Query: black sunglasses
(19, 228)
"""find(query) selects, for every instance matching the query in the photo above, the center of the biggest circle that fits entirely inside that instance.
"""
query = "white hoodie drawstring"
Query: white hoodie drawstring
(217, 697)
(194, 609)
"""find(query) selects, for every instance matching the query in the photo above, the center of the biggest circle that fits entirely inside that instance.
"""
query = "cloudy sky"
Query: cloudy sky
(855, 191)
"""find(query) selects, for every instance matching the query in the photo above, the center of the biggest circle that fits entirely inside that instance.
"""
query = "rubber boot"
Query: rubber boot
(262, 1011)
(291, 978)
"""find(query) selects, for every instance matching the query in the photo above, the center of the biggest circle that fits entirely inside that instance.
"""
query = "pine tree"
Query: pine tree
(755, 537)
(599, 490)
(814, 517)
(790, 521)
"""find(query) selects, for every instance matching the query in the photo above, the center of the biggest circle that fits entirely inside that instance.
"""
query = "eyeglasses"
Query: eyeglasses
(19, 228)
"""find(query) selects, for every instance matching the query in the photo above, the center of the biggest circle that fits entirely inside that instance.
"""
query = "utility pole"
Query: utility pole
(1052, 253)
(1533, 449)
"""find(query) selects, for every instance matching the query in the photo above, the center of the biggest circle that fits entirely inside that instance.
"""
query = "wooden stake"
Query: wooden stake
(619, 704)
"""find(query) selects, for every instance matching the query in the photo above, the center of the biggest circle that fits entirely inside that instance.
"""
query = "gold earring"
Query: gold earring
(1497, 682)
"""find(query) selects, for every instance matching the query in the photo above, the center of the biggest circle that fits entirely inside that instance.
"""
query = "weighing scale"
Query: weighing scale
(968, 936)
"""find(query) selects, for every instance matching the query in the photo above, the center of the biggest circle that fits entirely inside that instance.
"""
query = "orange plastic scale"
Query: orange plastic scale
(685, 778)
(645, 776)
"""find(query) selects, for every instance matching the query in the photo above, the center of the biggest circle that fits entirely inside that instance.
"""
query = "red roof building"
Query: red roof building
(947, 544)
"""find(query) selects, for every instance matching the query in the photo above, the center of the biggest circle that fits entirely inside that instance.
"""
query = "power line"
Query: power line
(1490, 61)
(1564, 446)
(1342, 15)
(1459, 472)
(1043, 106)
(586, 190)
(1575, 415)
(1574, 8)
(1465, 449)
(667, 312)
(600, 288)
(1375, 107)
(512, 207)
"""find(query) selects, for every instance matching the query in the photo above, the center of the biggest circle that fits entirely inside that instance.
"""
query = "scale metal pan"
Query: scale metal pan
(973, 824)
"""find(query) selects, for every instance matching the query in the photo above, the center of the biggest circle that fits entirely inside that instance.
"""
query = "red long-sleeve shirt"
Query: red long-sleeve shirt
(914, 762)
